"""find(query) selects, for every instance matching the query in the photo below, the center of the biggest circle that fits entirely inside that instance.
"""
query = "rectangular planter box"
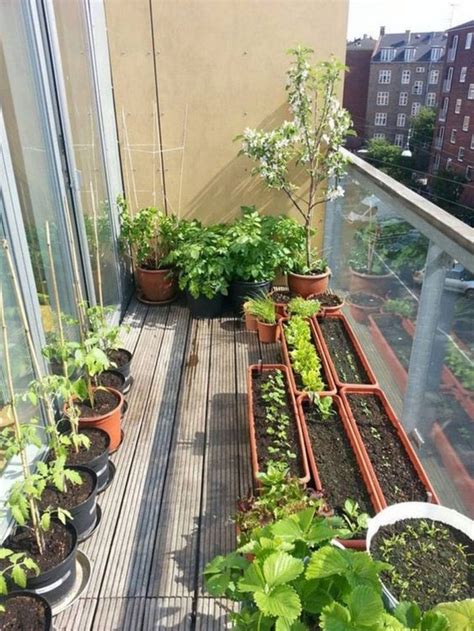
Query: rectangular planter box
(356, 349)
(402, 436)
(256, 368)
(326, 370)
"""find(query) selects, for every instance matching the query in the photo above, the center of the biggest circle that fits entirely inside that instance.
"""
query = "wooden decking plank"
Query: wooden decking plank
(79, 616)
(168, 614)
(212, 614)
(134, 539)
(119, 614)
(133, 320)
(174, 560)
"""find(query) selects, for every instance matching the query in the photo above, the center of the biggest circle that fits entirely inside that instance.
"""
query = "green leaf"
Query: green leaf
(252, 580)
(408, 613)
(327, 561)
(217, 584)
(365, 606)
(280, 568)
(45, 521)
(3, 585)
(5, 552)
(19, 576)
(282, 601)
(460, 614)
(436, 621)
(335, 617)
(18, 515)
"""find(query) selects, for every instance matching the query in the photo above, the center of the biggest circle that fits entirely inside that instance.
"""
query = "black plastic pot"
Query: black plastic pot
(240, 290)
(48, 616)
(84, 516)
(203, 307)
(56, 583)
(125, 370)
(123, 380)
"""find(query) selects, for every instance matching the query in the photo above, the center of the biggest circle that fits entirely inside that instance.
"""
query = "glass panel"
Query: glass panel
(378, 262)
(88, 155)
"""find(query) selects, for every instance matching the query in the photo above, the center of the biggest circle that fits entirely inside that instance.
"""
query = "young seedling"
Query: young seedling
(356, 520)
(304, 308)
(14, 566)
(304, 357)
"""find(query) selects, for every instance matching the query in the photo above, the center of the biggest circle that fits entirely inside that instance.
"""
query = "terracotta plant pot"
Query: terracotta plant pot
(305, 285)
(327, 310)
(280, 307)
(326, 370)
(377, 284)
(109, 422)
(250, 322)
(401, 434)
(361, 312)
(267, 333)
(370, 380)
(304, 479)
(156, 285)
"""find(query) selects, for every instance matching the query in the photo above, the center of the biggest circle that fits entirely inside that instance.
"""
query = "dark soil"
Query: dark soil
(435, 560)
(23, 613)
(75, 496)
(299, 383)
(151, 265)
(104, 403)
(281, 297)
(97, 447)
(346, 360)
(457, 427)
(395, 472)
(58, 545)
(120, 357)
(111, 379)
(263, 439)
(393, 331)
(335, 460)
(365, 300)
(328, 300)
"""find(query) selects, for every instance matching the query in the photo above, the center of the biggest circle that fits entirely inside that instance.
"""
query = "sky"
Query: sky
(366, 16)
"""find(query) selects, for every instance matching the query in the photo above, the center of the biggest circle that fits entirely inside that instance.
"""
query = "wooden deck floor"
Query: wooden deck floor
(183, 463)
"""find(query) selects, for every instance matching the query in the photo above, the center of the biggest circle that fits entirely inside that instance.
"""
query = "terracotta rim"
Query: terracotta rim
(87, 419)
(370, 276)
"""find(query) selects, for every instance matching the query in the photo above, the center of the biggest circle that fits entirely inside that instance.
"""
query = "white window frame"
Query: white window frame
(465, 123)
(417, 88)
(401, 117)
(453, 48)
(444, 108)
(406, 77)
(469, 170)
(436, 53)
(449, 162)
(380, 119)
(382, 98)
(385, 76)
(415, 108)
(449, 79)
(433, 78)
(420, 69)
(472, 142)
(439, 139)
(387, 54)
(436, 162)
(378, 135)
(461, 153)
(409, 54)
(463, 74)
(431, 99)
(468, 43)
(399, 140)
(470, 92)
(452, 136)
(457, 107)
(403, 99)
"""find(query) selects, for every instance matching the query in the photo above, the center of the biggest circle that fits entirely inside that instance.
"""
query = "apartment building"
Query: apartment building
(405, 74)
(453, 147)
(356, 85)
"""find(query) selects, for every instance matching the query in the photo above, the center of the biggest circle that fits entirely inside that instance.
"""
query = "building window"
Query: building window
(417, 87)
(436, 54)
(434, 77)
(470, 93)
(420, 69)
(460, 154)
(448, 164)
(437, 160)
(381, 118)
(439, 138)
(457, 107)
(448, 80)
(399, 140)
(431, 99)
(444, 109)
(401, 120)
(403, 98)
(462, 74)
(387, 54)
(379, 135)
(385, 76)
(409, 54)
(468, 41)
(469, 169)
(465, 123)
(453, 48)
(406, 76)
(415, 108)
(382, 98)
(472, 141)
(452, 138)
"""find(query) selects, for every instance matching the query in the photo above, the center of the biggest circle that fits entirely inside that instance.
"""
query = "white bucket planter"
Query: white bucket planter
(416, 510)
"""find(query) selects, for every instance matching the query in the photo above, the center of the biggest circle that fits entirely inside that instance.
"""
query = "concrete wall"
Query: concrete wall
(213, 67)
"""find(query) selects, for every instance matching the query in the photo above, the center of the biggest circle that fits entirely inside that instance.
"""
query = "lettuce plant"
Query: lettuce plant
(304, 357)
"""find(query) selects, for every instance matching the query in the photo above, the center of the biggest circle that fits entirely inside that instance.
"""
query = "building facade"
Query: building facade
(356, 85)
(405, 75)
(453, 146)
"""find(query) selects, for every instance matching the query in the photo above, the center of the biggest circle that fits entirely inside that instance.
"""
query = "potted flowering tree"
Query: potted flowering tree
(312, 140)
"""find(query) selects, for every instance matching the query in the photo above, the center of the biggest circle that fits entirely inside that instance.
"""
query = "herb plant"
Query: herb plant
(263, 309)
(400, 306)
(304, 357)
(305, 308)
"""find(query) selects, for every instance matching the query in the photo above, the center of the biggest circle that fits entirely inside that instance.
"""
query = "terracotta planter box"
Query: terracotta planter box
(358, 544)
(326, 370)
(253, 369)
(370, 379)
(453, 463)
(377, 284)
(401, 434)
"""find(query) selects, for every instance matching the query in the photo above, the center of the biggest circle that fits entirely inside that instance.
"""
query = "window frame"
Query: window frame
(463, 74)
(406, 77)
(401, 116)
(388, 74)
(382, 96)
(380, 115)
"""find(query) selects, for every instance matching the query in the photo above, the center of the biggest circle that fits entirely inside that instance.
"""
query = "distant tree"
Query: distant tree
(447, 188)
(422, 128)
(388, 158)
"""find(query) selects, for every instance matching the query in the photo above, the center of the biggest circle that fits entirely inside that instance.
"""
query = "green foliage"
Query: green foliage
(400, 306)
(305, 308)
(422, 126)
(447, 188)
(460, 365)
(460, 614)
(304, 357)
(277, 420)
(388, 158)
(356, 521)
(14, 566)
(325, 408)
(263, 309)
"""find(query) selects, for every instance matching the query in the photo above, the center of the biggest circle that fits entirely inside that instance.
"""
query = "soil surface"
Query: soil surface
(75, 496)
(343, 354)
(365, 300)
(104, 403)
(120, 357)
(58, 545)
(395, 472)
(434, 559)
(110, 379)
(328, 300)
(83, 456)
(398, 339)
(23, 613)
(335, 460)
(281, 297)
(264, 441)
(298, 381)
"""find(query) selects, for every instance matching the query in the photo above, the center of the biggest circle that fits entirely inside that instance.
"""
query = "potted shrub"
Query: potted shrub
(311, 139)
(202, 259)
(366, 261)
(150, 236)
(362, 305)
(267, 324)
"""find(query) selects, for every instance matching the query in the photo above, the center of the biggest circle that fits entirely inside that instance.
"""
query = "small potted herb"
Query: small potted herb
(330, 302)
(281, 298)
(250, 319)
(362, 305)
(267, 325)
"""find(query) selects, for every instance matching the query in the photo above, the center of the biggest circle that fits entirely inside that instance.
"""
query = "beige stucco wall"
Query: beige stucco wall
(220, 67)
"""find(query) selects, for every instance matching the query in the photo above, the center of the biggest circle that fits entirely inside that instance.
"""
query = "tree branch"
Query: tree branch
(294, 202)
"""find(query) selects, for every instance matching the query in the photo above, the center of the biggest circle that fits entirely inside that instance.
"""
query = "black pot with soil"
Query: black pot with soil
(241, 290)
(57, 562)
(25, 611)
(122, 360)
(203, 307)
(113, 379)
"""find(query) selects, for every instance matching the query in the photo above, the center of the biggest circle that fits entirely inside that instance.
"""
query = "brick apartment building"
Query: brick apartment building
(405, 74)
(356, 85)
(453, 146)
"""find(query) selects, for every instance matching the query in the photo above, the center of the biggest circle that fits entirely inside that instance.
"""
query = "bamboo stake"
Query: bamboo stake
(16, 421)
(97, 249)
(54, 280)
